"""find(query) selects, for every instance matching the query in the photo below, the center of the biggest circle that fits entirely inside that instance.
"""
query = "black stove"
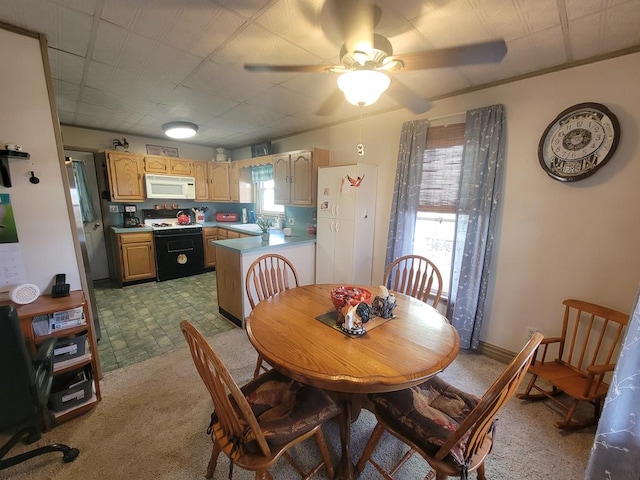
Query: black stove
(179, 248)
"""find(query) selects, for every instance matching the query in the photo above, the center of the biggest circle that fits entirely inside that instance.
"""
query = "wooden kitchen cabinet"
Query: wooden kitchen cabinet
(125, 172)
(209, 235)
(136, 256)
(295, 176)
(67, 363)
(201, 175)
(219, 190)
(168, 165)
(240, 183)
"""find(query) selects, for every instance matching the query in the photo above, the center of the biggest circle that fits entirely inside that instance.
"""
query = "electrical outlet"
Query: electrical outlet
(292, 221)
(530, 331)
(113, 209)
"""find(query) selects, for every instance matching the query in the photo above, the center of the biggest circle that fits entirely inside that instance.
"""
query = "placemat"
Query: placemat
(331, 318)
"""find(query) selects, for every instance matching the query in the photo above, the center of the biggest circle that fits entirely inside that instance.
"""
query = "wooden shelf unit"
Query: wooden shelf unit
(46, 305)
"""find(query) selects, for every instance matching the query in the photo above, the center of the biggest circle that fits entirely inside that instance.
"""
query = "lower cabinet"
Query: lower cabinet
(209, 235)
(76, 369)
(135, 255)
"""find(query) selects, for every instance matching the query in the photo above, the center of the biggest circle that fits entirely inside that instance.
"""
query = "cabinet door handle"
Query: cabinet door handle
(337, 210)
(337, 227)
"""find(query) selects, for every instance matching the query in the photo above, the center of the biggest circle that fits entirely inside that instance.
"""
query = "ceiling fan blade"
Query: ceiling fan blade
(407, 97)
(473, 54)
(261, 67)
(332, 102)
(356, 20)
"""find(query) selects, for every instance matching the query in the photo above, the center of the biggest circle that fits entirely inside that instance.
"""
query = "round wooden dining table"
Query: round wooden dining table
(392, 355)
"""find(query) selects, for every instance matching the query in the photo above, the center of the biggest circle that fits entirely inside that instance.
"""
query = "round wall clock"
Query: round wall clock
(578, 142)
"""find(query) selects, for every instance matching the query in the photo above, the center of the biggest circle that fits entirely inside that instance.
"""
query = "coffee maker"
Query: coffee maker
(129, 218)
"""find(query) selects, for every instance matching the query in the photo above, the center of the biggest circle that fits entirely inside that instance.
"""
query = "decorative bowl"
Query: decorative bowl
(352, 294)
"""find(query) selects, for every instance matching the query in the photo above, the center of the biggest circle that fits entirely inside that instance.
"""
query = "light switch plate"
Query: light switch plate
(113, 209)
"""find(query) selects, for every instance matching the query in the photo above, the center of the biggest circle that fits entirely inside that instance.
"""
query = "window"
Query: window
(266, 196)
(435, 223)
(262, 178)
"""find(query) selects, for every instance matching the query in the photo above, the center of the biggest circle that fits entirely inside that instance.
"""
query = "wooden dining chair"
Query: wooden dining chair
(266, 276)
(583, 354)
(415, 276)
(451, 429)
(257, 424)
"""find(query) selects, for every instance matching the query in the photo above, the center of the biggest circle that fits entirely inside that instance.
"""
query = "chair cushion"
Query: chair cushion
(286, 409)
(427, 414)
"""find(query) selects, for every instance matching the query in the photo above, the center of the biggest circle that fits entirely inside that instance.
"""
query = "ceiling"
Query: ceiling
(130, 66)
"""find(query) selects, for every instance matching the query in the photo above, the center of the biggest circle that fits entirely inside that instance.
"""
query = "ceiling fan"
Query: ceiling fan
(368, 62)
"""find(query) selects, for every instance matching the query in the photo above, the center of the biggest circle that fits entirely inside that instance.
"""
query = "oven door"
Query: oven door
(178, 254)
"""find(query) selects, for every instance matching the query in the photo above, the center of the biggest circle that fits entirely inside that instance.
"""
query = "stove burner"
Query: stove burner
(161, 225)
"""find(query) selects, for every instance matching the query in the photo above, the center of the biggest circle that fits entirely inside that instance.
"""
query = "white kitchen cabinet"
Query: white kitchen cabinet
(346, 220)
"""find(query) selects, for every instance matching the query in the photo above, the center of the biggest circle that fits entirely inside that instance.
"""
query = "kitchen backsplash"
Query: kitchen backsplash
(303, 216)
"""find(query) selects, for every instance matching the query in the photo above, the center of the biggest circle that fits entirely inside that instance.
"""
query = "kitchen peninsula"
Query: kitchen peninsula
(234, 256)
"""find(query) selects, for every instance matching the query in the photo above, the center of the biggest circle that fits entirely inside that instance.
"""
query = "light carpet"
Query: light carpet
(153, 415)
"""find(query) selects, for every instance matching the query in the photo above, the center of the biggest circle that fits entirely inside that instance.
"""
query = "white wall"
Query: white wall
(103, 140)
(556, 240)
(42, 219)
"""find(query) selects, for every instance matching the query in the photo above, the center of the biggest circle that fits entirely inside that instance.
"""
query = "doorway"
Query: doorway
(93, 225)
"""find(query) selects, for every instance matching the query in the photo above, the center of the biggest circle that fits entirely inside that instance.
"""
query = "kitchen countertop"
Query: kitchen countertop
(245, 244)
(276, 239)
(251, 228)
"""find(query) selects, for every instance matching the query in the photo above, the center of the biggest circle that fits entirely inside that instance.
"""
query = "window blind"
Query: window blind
(441, 169)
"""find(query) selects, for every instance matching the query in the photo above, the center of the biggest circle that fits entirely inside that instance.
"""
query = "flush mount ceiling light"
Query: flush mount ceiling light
(363, 87)
(180, 129)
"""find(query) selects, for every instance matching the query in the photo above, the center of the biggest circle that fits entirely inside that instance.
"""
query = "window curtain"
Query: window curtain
(406, 193)
(480, 196)
(262, 173)
(84, 196)
(616, 446)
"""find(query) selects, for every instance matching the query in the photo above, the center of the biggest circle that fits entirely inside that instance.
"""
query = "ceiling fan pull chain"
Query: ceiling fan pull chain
(360, 146)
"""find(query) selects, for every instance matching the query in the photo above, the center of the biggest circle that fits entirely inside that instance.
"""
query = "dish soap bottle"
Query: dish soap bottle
(252, 217)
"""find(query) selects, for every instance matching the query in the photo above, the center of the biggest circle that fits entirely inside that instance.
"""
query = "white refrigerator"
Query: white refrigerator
(346, 220)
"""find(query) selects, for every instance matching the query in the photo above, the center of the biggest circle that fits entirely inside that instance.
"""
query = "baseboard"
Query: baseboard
(496, 353)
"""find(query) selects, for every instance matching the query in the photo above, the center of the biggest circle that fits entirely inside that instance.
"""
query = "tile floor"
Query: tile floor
(142, 321)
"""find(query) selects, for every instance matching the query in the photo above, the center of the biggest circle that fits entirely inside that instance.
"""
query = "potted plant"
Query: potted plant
(265, 224)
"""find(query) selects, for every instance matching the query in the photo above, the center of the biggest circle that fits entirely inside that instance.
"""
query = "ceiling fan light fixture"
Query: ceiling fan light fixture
(363, 87)
(180, 129)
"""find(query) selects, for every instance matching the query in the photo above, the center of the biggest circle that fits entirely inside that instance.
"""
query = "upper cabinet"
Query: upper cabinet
(240, 186)
(126, 172)
(295, 176)
(201, 174)
(167, 166)
(219, 190)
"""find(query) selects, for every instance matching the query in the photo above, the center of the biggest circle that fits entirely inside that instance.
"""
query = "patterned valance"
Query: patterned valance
(261, 173)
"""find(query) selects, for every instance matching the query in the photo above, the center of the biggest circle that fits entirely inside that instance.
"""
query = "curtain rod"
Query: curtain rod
(443, 117)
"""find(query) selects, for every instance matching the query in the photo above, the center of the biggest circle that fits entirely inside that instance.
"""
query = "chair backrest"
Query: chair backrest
(591, 334)
(415, 276)
(268, 275)
(18, 399)
(477, 425)
(232, 423)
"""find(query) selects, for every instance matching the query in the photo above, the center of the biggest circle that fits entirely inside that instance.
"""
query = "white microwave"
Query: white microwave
(166, 186)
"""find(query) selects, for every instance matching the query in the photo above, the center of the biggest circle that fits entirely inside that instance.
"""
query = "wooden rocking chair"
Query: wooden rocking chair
(586, 350)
